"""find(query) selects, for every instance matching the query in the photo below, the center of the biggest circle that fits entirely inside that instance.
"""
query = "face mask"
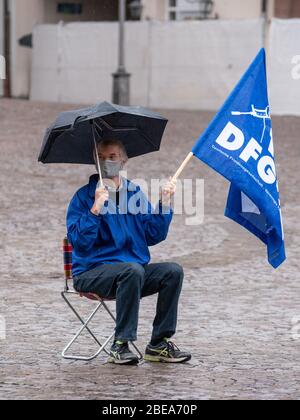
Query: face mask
(110, 168)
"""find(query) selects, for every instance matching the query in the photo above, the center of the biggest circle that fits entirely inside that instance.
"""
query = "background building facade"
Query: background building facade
(155, 66)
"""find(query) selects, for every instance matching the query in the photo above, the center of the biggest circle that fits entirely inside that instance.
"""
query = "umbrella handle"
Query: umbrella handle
(182, 166)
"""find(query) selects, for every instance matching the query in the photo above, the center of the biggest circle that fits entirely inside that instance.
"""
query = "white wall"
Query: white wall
(183, 65)
(195, 65)
(284, 68)
(1, 39)
(191, 65)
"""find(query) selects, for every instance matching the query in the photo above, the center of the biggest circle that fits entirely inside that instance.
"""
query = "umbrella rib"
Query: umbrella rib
(116, 130)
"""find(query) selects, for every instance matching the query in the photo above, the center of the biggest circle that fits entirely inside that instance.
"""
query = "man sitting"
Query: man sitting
(110, 240)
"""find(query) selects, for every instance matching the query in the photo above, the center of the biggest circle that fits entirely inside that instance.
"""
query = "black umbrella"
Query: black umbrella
(73, 136)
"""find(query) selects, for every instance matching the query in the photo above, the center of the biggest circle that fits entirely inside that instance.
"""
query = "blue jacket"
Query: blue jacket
(120, 233)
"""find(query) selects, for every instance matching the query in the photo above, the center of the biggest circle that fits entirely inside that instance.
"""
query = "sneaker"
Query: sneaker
(166, 352)
(121, 355)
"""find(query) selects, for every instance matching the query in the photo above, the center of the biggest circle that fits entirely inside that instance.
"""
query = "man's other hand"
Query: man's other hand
(167, 192)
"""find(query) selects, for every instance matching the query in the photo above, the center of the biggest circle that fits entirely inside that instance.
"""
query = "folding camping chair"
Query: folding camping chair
(67, 253)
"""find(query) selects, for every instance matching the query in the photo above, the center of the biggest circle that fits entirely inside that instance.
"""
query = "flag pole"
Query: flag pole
(182, 166)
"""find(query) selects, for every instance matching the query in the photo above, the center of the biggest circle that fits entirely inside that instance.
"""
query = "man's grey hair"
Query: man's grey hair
(113, 142)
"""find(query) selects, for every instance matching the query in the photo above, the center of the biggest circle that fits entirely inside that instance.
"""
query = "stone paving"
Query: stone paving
(236, 313)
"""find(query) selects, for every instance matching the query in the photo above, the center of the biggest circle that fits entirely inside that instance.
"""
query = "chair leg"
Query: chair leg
(114, 318)
(102, 347)
(79, 317)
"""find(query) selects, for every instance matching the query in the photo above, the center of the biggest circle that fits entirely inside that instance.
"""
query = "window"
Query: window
(69, 8)
(189, 9)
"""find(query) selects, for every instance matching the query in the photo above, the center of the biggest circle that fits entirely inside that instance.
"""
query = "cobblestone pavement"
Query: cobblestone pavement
(235, 312)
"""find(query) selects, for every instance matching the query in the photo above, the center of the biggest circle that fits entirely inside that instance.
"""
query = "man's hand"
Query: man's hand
(101, 196)
(167, 192)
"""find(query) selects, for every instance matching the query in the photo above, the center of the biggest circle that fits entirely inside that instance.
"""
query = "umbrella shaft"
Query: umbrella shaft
(97, 157)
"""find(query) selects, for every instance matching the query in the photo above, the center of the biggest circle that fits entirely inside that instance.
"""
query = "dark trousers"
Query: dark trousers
(128, 283)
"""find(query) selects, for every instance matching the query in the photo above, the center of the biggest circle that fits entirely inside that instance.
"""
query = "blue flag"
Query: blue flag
(238, 144)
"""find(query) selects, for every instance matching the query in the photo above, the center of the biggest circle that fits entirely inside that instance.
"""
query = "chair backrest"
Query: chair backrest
(67, 252)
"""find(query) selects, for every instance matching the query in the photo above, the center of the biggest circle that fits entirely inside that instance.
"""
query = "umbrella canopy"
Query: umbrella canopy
(73, 135)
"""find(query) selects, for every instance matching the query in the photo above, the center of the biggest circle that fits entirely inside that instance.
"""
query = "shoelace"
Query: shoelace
(171, 347)
(121, 347)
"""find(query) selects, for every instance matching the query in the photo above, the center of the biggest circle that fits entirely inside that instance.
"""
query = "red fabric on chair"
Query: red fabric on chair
(67, 251)
(91, 296)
